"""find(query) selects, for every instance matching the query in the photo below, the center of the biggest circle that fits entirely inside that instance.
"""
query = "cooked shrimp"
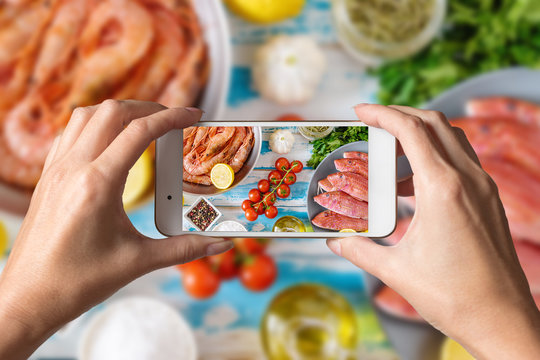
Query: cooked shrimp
(29, 131)
(197, 179)
(14, 171)
(188, 137)
(243, 152)
(218, 141)
(195, 166)
(60, 39)
(118, 34)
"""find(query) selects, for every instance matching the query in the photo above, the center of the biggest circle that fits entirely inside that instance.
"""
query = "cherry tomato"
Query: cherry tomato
(182, 267)
(251, 245)
(290, 117)
(263, 185)
(271, 212)
(259, 208)
(274, 177)
(251, 214)
(258, 272)
(224, 264)
(283, 191)
(254, 195)
(297, 166)
(199, 280)
(269, 199)
(290, 178)
(282, 164)
(246, 204)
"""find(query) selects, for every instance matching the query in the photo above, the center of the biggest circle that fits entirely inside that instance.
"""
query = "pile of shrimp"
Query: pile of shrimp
(56, 55)
(204, 147)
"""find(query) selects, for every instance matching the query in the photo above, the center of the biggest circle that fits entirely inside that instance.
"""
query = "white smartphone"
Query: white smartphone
(276, 179)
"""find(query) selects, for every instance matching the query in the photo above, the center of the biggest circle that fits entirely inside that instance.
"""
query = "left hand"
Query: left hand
(77, 246)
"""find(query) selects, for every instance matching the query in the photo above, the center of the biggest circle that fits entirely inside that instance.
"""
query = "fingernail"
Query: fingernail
(219, 247)
(335, 246)
(360, 105)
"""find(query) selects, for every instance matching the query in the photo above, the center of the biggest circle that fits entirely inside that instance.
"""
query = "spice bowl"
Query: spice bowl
(205, 207)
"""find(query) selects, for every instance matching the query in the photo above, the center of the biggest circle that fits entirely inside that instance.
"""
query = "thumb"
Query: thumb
(362, 252)
(182, 249)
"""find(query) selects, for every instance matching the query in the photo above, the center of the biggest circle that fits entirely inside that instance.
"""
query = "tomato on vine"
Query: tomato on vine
(297, 166)
(271, 212)
(274, 177)
(246, 204)
(263, 185)
(290, 178)
(254, 195)
(282, 164)
(283, 191)
(251, 214)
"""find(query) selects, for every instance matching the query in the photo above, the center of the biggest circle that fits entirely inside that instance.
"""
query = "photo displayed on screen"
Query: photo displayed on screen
(275, 179)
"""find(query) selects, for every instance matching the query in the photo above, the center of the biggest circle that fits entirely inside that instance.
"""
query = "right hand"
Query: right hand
(456, 264)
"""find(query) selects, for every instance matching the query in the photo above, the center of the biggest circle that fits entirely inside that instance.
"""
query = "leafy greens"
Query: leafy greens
(336, 139)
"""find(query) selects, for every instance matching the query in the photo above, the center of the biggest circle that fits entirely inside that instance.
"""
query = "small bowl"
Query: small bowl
(356, 44)
(240, 227)
(249, 165)
(190, 222)
(314, 136)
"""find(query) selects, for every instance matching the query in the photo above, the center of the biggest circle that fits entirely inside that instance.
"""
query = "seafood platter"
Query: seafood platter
(68, 54)
(265, 179)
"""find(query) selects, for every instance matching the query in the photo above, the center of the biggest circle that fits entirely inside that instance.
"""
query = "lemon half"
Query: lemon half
(266, 11)
(139, 180)
(222, 176)
(347, 230)
(4, 239)
(451, 350)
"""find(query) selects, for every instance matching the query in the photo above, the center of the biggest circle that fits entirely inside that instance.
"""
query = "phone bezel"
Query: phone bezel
(381, 193)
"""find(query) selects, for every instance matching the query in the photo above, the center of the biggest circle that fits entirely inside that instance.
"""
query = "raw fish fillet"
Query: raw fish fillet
(503, 139)
(353, 184)
(355, 155)
(343, 204)
(352, 165)
(326, 185)
(529, 258)
(520, 195)
(334, 221)
(394, 304)
(519, 110)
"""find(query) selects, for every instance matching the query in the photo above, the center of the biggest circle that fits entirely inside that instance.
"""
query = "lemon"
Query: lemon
(266, 11)
(222, 176)
(4, 240)
(139, 180)
(347, 230)
(451, 350)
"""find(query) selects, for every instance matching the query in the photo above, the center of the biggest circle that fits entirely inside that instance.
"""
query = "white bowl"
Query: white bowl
(190, 222)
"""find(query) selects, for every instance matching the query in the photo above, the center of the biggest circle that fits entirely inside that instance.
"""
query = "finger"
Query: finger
(399, 149)
(362, 252)
(52, 153)
(406, 187)
(181, 249)
(444, 134)
(423, 153)
(108, 122)
(138, 135)
(77, 122)
(462, 137)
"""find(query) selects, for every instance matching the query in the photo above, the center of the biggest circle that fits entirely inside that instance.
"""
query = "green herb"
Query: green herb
(478, 36)
(336, 139)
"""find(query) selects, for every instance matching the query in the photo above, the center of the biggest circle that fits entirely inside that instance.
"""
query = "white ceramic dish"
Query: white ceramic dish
(188, 220)
(216, 32)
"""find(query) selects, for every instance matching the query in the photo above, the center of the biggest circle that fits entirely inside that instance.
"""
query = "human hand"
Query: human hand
(456, 264)
(76, 246)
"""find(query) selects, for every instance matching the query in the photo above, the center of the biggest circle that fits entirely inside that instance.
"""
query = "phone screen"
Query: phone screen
(275, 179)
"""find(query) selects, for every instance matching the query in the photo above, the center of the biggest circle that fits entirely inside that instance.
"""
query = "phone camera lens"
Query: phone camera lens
(169, 197)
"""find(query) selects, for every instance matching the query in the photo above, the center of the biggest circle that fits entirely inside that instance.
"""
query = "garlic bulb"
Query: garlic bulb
(281, 141)
(288, 69)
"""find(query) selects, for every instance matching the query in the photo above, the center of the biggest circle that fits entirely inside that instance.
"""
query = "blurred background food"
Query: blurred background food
(309, 59)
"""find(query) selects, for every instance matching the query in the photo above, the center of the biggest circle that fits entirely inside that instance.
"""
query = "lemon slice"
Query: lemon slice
(266, 11)
(222, 176)
(347, 230)
(4, 240)
(451, 350)
(138, 181)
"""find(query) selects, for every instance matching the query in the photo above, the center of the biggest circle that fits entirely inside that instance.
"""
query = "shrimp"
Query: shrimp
(14, 171)
(218, 141)
(60, 39)
(197, 179)
(118, 34)
(189, 136)
(243, 152)
(195, 166)
(29, 131)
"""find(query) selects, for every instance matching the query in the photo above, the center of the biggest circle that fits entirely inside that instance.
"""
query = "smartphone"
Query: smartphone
(276, 179)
